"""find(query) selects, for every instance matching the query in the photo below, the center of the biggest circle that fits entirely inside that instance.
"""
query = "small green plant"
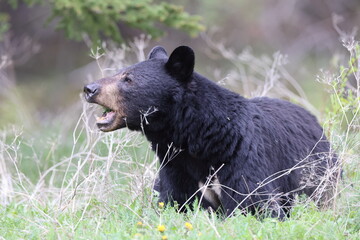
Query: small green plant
(343, 128)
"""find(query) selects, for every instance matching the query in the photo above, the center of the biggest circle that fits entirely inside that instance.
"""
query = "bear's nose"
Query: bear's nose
(91, 90)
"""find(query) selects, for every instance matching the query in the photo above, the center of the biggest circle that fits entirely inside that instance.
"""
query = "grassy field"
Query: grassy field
(63, 179)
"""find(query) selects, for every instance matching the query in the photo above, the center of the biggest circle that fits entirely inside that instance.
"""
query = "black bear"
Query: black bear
(213, 144)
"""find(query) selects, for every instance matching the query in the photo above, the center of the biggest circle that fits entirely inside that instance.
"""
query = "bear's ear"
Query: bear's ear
(181, 63)
(157, 52)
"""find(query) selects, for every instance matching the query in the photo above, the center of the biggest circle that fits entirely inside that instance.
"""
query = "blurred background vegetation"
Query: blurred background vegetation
(45, 45)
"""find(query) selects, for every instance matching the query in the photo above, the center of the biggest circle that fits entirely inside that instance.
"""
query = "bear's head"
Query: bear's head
(142, 93)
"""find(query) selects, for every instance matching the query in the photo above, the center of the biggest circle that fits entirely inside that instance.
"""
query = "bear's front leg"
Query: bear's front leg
(176, 185)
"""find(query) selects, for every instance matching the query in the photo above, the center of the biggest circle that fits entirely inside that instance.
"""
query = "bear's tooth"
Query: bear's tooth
(99, 119)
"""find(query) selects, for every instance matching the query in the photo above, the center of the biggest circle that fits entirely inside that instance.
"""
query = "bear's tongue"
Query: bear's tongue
(107, 117)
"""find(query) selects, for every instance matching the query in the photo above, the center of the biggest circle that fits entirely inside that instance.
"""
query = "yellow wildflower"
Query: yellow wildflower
(188, 226)
(161, 228)
(164, 237)
(138, 235)
(161, 204)
(139, 224)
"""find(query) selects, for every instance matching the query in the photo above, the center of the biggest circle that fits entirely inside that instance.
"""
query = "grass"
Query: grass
(63, 179)
(100, 220)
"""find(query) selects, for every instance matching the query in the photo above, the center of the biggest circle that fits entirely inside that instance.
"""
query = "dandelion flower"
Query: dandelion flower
(161, 228)
(137, 235)
(139, 224)
(164, 237)
(161, 204)
(188, 226)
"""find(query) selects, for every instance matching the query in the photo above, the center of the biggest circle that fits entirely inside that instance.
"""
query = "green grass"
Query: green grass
(100, 220)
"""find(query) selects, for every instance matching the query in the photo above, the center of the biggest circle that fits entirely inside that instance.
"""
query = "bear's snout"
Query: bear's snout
(91, 90)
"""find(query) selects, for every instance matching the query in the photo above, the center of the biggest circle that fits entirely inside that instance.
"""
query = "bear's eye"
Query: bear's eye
(127, 79)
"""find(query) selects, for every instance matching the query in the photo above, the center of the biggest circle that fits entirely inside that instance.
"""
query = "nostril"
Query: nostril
(91, 89)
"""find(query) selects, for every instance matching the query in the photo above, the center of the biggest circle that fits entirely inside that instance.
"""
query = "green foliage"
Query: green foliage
(101, 18)
(343, 100)
(4, 24)
(99, 220)
(343, 114)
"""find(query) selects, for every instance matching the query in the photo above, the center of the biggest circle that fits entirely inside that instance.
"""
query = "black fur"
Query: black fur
(261, 148)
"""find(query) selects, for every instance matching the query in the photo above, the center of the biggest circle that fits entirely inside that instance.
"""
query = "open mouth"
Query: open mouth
(106, 120)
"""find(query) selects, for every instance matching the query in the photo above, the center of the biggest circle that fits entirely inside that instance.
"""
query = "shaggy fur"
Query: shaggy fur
(258, 153)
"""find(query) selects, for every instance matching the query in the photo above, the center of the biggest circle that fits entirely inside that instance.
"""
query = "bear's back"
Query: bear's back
(293, 140)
